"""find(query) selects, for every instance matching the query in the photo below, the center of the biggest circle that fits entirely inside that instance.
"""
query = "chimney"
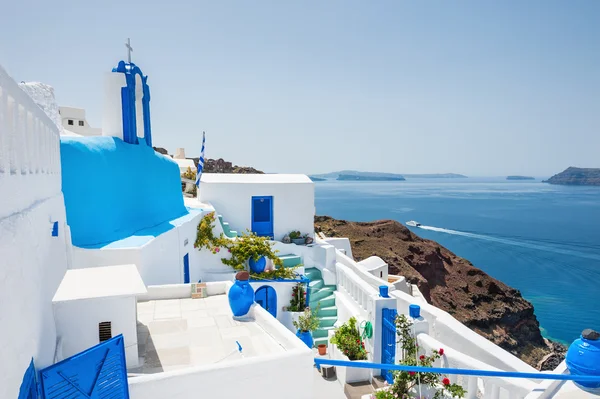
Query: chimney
(180, 153)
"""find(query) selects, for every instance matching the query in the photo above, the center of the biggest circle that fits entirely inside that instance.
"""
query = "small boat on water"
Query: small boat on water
(412, 223)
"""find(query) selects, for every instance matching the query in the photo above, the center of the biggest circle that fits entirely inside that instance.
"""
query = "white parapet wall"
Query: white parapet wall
(283, 375)
(487, 387)
(33, 260)
(452, 332)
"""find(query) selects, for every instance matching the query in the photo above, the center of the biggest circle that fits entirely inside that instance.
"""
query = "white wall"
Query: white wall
(293, 204)
(77, 324)
(283, 291)
(342, 243)
(112, 113)
(160, 261)
(283, 375)
(450, 331)
(32, 261)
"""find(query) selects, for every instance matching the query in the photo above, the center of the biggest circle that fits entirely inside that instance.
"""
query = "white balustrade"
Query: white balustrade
(358, 290)
(476, 387)
(29, 150)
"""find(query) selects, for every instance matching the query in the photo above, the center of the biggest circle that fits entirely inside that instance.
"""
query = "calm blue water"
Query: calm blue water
(541, 239)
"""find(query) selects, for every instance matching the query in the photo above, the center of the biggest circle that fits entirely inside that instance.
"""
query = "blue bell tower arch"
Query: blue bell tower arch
(130, 70)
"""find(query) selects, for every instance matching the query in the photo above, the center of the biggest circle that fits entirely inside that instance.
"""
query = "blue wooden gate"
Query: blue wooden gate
(97, 373)
(388, 341)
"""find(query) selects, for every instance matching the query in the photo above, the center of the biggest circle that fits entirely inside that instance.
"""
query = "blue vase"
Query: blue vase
(306, 337)
(241, 297)
(583, 357)
(259, 265)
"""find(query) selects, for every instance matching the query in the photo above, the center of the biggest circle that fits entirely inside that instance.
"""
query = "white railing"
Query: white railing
(371, 280)
(29, 149)
(476, 387)
(447, 329)
(357, 289)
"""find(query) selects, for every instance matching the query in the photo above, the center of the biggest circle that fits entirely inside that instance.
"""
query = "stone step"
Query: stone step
(320, 294)
(312, 273)
(315, 285)
(321, 332)
(328, 321)
(327, 311)
(291, 260)
(323, 303)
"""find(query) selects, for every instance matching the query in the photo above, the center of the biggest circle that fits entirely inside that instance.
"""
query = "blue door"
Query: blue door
(266, 297)
(388, 342)
(186, 269)
(262, 216)
(97, 373)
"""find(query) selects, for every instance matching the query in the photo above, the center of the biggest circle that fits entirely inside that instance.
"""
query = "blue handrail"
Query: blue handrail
(441, 370)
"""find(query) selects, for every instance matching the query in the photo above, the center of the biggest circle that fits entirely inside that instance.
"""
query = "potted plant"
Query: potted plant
(306, 324)
(406, 383)
(295, 308)
(348, 345)
(297, 237)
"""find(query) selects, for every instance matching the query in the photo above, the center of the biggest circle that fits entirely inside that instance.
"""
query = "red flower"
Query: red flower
(446, 381)
(411, 373)
(441, 351)
(422, 357)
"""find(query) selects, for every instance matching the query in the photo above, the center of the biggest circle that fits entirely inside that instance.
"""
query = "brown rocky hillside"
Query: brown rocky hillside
(484, 304)
(217, 165)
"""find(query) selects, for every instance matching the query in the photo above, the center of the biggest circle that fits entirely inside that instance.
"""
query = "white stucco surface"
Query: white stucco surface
(77, 323)
(76, 115)
(100, 282)
(32, 261)
(231, 195)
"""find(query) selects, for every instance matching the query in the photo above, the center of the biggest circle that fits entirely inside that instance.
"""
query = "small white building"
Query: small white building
(376, 266)
(73, 120)
(267, 204)
(94, 305)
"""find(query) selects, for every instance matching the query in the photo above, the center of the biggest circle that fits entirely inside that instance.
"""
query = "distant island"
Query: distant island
(378, 176)
(314, 178)
(520, 178)
(363, 177)
(576, 177)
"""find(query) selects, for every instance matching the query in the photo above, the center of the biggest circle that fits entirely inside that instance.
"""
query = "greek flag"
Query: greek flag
(200, 162)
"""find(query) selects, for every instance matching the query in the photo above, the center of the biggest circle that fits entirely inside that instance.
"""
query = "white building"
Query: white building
(73, 121)
(183, 163)
(267, 204)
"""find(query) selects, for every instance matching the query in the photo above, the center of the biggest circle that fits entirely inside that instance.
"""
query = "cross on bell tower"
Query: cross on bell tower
(129, 50)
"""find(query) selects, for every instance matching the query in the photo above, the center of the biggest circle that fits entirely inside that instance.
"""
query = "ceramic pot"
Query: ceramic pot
(306, 337)
(241, 295)
(257, 266)
(299, 241)
(322, 349)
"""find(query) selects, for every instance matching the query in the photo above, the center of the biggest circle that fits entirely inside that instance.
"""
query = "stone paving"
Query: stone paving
(179, 333)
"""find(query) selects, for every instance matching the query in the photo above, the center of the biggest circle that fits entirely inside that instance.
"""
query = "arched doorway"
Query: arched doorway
(266, 297)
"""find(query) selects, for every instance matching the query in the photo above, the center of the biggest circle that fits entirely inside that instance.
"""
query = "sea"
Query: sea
(541, 239)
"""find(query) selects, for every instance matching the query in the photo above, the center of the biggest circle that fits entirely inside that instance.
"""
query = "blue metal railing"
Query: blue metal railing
(442, 370)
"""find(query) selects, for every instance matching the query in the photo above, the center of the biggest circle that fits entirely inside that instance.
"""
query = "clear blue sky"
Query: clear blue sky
(473, 87)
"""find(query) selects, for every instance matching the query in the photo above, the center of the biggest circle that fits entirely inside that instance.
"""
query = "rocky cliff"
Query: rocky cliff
(577, 177)
(484, 304)
(217, 165)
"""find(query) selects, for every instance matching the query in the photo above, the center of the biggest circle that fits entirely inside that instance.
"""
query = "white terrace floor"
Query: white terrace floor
(179, 333)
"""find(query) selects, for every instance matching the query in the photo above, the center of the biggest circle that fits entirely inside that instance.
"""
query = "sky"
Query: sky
(480, 88)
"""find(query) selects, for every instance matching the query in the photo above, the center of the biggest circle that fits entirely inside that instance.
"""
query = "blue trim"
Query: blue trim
(28, 388)
(130, 70)
(55, 229)
(441, 370)
(186, 269)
